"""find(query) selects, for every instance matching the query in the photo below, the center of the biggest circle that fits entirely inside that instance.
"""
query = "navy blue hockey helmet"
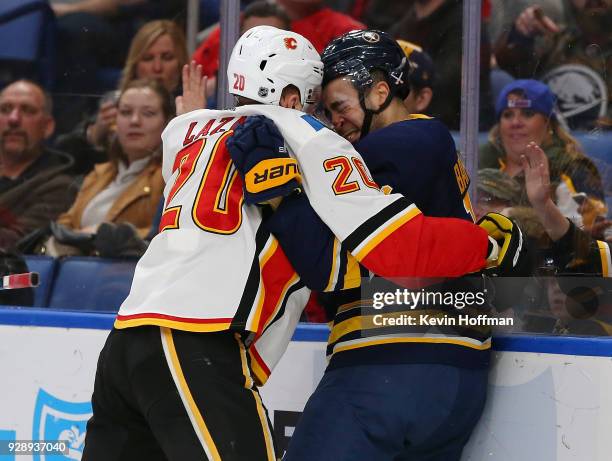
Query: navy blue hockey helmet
(358, 53)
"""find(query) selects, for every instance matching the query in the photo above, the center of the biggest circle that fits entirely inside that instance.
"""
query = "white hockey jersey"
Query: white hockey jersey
(213, 267)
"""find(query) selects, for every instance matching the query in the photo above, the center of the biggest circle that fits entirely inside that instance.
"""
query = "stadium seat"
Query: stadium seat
(107, 78)
(596, 145)
(27, 32)
(483, 137)
(46, 267)
(92, 284)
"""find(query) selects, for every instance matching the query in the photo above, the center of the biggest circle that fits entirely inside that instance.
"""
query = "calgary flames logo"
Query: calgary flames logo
(290, 43)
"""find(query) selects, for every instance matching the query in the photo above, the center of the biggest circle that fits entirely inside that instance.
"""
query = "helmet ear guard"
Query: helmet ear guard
(265, 60)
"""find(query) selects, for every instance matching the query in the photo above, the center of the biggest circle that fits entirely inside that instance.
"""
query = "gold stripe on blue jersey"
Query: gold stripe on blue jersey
(604, 254)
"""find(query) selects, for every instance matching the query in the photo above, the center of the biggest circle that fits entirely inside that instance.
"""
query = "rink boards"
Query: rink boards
(549, 397)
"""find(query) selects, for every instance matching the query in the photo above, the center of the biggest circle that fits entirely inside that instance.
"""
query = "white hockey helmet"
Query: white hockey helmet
(265, 60)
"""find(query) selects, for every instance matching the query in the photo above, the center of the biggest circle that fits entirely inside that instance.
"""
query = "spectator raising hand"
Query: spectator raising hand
(194, 89)
(537, 185)
(537, 175)
(532, 22)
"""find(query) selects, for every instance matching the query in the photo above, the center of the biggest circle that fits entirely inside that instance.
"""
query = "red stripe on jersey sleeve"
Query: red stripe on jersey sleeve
(430, 247)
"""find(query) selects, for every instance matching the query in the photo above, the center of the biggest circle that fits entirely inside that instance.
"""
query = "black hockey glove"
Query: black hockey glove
(506, 246)
(118, 240)
(258, 150)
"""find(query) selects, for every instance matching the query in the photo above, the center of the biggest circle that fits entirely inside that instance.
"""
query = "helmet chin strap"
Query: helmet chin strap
(369, 113)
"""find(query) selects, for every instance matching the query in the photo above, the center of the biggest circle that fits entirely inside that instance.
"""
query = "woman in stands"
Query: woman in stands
(525, 113)
(127, 188)
(158, 51)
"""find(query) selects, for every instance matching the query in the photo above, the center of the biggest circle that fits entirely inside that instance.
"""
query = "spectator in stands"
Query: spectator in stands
(575, 61)
(525, 113)
(34, 185)
(496, 192)
(568, 314)
(381, 14)
(421, 78)
(128, 188)
(436, 25)
(258, 13)
(157, 51)
(574, 249)
(91, 48)
(577, 305)
(306, 17)
(319, 24)
(504, 13)
(557, 249)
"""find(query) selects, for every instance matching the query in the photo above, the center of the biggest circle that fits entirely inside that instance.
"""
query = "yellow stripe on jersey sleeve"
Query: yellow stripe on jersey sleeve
(604, 255)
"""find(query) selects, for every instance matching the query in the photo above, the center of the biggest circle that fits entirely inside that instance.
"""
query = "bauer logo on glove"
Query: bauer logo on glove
(271, 173)
(258, 150)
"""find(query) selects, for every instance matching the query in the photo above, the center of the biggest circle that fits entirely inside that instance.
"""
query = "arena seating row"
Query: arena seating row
(89, 284)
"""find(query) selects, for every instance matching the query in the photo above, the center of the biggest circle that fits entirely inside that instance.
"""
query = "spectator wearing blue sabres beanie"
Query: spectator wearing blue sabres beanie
(536, 96)
(525, 113)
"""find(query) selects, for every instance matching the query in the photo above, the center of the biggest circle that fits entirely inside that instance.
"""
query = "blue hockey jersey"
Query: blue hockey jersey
(417, 158)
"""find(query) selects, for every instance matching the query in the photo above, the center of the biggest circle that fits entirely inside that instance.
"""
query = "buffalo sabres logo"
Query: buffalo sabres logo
(371, 37)
(398, 73)
(582, 95)
(56, 419)
(397, 77)
(290, 43)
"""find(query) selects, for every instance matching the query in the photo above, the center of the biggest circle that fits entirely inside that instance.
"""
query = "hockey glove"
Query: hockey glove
(258, 150)
(505, 245)
(118, 240)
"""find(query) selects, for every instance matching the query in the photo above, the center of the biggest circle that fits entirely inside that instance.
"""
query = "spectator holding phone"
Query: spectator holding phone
(158, 51)
(127, 188)
(574, 61)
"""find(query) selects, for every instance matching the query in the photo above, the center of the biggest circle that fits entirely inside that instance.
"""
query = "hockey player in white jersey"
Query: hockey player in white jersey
(214, 299)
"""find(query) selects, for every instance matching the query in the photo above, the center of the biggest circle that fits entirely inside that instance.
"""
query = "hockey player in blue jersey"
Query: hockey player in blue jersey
(214, 283)
(388, 393)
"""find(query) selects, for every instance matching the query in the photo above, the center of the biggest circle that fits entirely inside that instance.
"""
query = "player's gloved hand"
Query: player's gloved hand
(506, 245)
(258, 150)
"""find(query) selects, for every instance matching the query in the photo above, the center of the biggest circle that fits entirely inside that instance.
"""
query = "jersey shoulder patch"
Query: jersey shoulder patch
(313, 122)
